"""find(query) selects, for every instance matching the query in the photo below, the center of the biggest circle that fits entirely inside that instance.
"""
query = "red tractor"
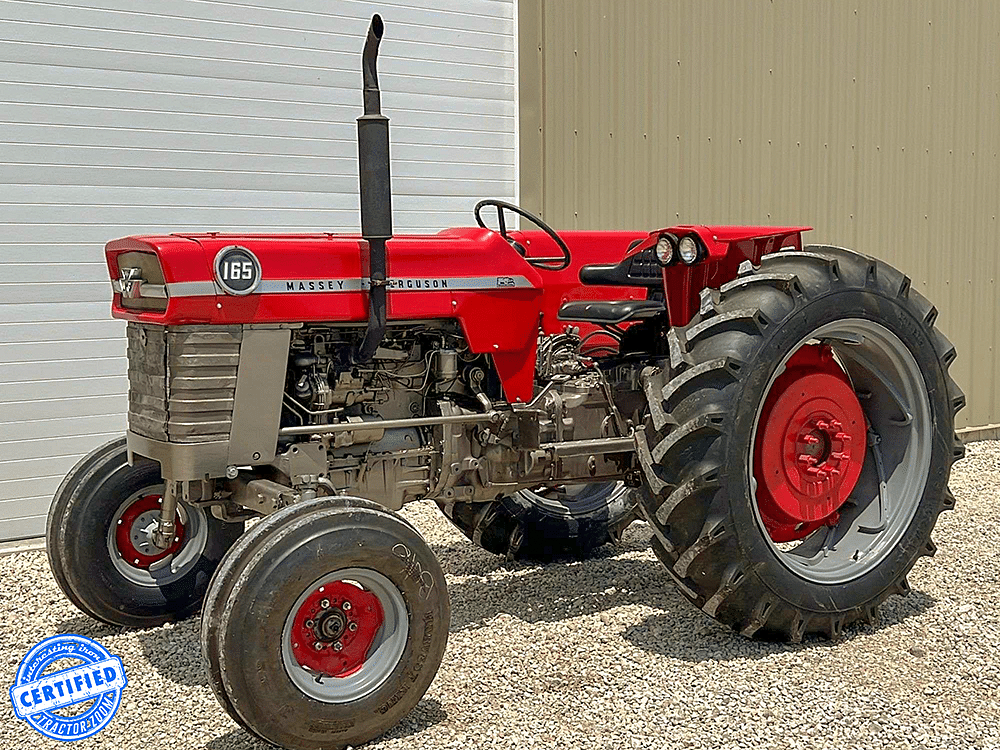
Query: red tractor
(781, 416)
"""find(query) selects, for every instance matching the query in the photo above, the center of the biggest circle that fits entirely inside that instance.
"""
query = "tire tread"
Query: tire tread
(679, 451)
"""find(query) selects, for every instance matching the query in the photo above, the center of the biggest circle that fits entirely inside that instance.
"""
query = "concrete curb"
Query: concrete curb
(22, 545)
(986, 432)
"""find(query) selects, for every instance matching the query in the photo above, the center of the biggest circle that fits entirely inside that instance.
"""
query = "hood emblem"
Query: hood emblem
(129, 282)
(131, 285)
(237, 270)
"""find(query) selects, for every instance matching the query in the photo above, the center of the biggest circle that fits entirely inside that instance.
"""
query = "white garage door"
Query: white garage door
(211, 115)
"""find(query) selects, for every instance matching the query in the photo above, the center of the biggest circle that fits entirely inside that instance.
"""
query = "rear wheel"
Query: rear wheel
(797, 451)
(98, 539)
(351, 619)
(545, 522)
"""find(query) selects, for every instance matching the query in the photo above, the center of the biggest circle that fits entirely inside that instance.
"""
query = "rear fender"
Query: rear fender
(726, 247)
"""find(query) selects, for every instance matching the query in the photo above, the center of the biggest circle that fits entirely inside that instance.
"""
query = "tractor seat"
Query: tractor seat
(610, 313)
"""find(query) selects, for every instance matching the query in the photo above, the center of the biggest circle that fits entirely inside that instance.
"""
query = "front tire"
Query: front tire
(350, 614)
(99, 551)
(798, 447)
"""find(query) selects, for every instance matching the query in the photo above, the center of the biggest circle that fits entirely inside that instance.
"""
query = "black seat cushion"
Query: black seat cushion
(610, 313)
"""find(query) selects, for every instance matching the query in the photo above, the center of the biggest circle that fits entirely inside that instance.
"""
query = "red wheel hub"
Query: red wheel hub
(335, 627)
(132, 531)
(810, 445)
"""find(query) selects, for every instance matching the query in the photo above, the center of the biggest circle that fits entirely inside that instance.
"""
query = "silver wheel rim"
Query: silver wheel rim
(170, 568)
(383, 656)
(899, 412)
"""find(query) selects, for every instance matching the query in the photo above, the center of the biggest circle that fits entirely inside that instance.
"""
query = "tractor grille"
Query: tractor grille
(182, 381)
(644, 267)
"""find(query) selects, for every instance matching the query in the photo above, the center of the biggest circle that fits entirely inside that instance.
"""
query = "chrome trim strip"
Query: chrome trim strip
(306, 286)
(136, 288)
(193, 289)
(327, 286)
(458, 282)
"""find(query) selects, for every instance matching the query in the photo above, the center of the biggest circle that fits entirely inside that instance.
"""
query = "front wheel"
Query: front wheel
(797, 453)
(350, 619)
(99, 548)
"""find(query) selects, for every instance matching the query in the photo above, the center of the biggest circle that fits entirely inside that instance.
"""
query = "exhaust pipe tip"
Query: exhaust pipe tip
(369, 58)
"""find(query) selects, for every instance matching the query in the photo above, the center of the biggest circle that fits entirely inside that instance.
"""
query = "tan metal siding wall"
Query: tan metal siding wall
(878, 123)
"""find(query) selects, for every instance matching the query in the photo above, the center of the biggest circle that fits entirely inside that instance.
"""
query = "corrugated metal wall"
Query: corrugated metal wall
(119, 117)
(878, 123)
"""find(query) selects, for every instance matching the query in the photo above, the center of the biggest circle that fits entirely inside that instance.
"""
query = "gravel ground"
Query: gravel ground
(604, 654)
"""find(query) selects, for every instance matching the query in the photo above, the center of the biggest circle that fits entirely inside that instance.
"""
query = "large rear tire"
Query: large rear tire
(350, 616)
(544, 523)
(97, 539)
(765, 435)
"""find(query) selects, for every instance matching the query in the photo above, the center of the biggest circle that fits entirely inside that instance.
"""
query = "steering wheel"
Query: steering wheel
(557, 263)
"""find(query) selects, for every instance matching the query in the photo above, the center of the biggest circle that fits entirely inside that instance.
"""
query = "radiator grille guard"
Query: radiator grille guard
(182, 381)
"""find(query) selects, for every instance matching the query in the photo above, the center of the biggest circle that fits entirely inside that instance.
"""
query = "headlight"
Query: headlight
(689, 250)
(666, 246)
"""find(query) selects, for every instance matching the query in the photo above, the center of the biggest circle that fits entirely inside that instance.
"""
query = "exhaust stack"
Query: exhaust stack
(376, 192)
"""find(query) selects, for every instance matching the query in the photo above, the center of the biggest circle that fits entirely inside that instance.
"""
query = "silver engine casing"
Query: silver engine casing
(261, 416)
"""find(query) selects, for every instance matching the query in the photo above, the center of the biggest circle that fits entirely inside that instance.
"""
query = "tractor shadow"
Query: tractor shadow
(558, 590)
(482, 586)
(619, 576)
(427, 713)
(174, 650)
(694, 637)
(88, 627)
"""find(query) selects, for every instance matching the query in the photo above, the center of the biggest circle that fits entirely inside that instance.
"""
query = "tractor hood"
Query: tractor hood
(189, 278)
(471, 275)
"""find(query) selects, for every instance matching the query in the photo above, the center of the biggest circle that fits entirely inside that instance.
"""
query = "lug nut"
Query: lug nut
(345, 606)
(325, 604)
(318, 646)
(352, 627)
(338, 646)
(309, 623)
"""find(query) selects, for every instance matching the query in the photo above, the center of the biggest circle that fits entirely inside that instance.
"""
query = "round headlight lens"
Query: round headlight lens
(688, 250)
(665, 250)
